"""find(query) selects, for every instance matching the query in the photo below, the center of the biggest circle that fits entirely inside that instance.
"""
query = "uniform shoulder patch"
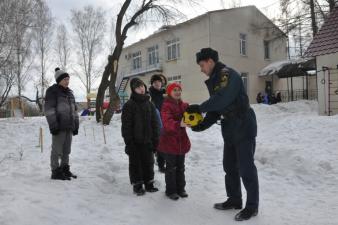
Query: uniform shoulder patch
(224, 77)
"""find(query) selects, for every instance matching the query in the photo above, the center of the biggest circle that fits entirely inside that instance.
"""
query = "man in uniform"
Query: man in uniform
(229, 103)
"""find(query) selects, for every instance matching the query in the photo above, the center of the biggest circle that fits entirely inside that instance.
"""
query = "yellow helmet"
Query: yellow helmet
(192, 119)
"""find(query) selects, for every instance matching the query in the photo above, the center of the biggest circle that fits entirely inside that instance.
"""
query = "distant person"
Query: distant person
(266, 99)
(278, 97)
(259, 98)
(85, 112)
(157, 91)
(273, 99)
(63, 121)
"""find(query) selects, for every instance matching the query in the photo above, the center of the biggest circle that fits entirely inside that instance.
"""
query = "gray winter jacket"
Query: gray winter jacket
(60, 109)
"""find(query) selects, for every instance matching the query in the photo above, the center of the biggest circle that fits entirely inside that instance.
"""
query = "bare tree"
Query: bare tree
(89, 26)
(111, 42)
(143, 10)
(43, 32)
(332, 4)
(7, 78)
(6, 50)
(22, 14)
(62, 46)
(6, 37)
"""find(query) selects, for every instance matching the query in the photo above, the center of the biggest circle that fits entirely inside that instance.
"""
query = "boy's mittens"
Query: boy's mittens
(75, 132)
(195, 108)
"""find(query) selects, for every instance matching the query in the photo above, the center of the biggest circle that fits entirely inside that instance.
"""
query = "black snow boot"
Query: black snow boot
(161, 169)
(229, 204)
(58, 174)
(138, 189)
(183, 194)
(150, 187)
(246, 214)
(173, 196)
(66, 171)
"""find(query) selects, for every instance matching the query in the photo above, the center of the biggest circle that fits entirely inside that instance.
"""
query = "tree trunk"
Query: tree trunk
(102, 88)
(331, 4)
(114, 100)
(313, 18)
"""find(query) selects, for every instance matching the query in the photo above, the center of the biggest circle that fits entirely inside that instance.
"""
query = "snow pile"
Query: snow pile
(296, 156)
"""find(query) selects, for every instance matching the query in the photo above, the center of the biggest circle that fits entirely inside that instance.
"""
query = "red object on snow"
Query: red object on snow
(105, 105)
(174, 138)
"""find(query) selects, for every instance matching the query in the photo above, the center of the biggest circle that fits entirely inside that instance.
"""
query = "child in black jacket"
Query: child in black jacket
(140, 132)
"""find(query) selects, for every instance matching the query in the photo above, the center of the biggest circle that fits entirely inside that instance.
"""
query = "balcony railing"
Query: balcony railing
(129, 70)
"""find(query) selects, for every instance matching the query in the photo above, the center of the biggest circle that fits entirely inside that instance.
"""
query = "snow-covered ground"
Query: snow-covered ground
(296, 156)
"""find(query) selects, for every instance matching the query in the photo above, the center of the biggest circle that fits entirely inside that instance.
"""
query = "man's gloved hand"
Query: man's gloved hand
(75, 132)
(130, 148)
(195, 108)
(54, 131)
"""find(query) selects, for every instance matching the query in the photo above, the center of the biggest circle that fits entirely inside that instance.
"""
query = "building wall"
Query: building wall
(219, 30)
(192, 37)
(331, 61)
(226, 29)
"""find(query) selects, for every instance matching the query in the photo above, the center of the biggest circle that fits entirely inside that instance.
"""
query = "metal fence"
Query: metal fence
(298, 94)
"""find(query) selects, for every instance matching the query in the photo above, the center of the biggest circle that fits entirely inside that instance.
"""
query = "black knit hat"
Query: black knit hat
(135, 83)
(207, 53)
(60, 75)
(154, 78)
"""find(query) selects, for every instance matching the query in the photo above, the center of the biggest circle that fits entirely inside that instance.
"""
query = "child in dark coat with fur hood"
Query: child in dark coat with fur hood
(140, 131)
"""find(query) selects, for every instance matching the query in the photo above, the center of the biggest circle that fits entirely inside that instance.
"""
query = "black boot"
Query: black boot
(66, 171)
(229, 204)
(173, 196)
(246, 214)
(138, 189)
(161, 169)
(183, 194)
(150, 187)
(58, 174)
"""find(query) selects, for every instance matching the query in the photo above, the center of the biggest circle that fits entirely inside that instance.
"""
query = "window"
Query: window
(153, 58)
(242, 44)
(245, 81)
(173, 49)
(173, 79)
(266, 49)
(137, 63)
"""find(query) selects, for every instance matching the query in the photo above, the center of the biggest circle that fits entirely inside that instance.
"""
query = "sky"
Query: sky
(61, 11)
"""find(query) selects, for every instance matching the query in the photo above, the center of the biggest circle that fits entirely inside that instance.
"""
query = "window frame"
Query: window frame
(173, 49)
(243, 44)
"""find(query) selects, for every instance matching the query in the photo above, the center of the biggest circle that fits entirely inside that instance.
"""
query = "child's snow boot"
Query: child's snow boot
(138, 189)
(57, 174)
(66, 171)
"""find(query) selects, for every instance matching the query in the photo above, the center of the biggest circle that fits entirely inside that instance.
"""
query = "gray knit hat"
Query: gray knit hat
(60, 75)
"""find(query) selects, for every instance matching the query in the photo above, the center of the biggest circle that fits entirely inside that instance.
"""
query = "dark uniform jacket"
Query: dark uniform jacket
(229, 102)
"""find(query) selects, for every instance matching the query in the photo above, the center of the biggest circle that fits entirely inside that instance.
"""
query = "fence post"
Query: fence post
(41, 139)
